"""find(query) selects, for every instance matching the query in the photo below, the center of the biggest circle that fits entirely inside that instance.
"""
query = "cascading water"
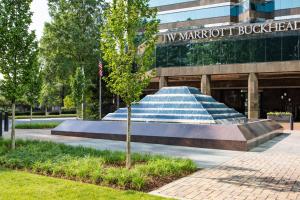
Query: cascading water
(180, 105)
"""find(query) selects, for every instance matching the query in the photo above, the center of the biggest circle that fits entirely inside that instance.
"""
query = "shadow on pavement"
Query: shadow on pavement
(269, 144)
(264, 182)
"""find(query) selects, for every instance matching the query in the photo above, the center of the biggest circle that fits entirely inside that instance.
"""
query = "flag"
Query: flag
(100, 69)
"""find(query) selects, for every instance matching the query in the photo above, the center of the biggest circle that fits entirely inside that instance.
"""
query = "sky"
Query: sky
(40, 16)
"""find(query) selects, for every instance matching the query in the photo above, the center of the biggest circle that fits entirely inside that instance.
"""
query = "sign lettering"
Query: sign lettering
(231, 31)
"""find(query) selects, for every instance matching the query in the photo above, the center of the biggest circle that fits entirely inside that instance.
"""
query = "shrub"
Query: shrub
(28, 113)
(43, 116)
(37, 125)
(279, 113)
(69, 102)
(54, 113)
(38, 113)
(68, 111)
(94, 166)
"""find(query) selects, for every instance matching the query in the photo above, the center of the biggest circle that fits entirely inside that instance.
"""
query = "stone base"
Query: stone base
(240, 137)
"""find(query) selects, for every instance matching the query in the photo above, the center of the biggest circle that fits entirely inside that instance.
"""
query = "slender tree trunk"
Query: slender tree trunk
(83, 107)
(78, 111)
(82, 111)
(30, 113)
(13, 133)
(118, 102)
(128, 138)
(46, 111)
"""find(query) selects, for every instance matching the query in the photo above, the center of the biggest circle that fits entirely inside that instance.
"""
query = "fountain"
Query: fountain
(178, 116)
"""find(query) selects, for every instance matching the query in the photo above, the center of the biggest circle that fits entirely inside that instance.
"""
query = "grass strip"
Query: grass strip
(37, 125)
(44, 116)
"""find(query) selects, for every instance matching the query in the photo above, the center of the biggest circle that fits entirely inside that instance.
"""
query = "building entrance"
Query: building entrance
(281, 100)
(270, 100)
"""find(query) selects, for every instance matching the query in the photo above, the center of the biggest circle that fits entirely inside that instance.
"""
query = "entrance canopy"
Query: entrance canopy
(180, 105)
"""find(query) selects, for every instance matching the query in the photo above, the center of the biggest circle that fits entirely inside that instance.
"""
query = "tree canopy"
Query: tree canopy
(18, 51)
(18, 47)
(70, 41)
(128, 45)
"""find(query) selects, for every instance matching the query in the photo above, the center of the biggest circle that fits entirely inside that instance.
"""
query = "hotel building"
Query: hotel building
(245, 53)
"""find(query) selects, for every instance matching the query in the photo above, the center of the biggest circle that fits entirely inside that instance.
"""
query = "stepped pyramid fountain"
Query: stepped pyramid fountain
(178, 116)
(180, 105)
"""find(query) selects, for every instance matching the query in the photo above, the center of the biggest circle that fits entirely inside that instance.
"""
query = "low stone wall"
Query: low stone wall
(230, 137)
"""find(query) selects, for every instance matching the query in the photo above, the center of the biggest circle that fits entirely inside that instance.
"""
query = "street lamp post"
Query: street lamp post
(288, 101)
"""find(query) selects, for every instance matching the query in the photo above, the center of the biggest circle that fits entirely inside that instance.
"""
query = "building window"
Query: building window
(246, 49)
(204, 13)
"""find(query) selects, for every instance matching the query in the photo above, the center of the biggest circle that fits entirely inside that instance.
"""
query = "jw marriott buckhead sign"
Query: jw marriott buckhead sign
(206, 33)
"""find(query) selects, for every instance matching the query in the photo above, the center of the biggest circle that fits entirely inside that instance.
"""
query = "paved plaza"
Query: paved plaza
(269, 172)
(205, 158)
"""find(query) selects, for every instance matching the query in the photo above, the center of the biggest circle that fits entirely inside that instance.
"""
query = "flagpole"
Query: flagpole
(100, 73)
(100, 97)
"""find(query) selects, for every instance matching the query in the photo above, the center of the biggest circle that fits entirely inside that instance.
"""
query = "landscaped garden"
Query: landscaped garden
(88, 165)
(23, 185)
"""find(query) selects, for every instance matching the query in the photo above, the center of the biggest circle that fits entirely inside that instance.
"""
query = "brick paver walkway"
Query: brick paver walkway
(271, 173)
(287, 126)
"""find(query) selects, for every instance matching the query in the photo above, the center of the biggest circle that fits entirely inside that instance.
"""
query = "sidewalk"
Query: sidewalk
(269, 172)
(287, 126)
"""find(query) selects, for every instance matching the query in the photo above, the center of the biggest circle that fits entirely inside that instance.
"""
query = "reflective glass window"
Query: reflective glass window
(273, 49)
(265, 6)
(173, 56)
(154, 3)
(290, 47)
(285, 4)
(198, 14)
(161, 56)
(242, 51)
(246, 49)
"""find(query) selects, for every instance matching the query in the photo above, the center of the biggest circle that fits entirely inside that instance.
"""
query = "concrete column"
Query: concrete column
(253, 97)
(163, 82)
(205, 84)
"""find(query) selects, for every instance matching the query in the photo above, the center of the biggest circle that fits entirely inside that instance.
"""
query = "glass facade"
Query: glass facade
(155, 3)
(286, 4)
(265, 7)
(205, 13)
(282, 46)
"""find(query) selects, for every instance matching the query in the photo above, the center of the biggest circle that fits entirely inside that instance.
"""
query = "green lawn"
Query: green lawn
(37, 125)
(22, 185)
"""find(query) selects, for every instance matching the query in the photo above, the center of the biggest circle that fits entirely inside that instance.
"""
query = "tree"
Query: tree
(17, 46)
(128, 44)
(49, 96)
(68, 102)
(4, 104)
(78, 89)
(33, 84)
(71, 40)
